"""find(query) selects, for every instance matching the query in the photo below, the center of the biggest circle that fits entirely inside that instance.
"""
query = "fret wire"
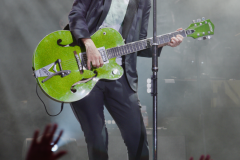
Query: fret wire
(124, 50)
(127, 46)
(115, 50)
(121, 51)
(108, 53)
(134, 47)
(142, 45)
(145, 43)
(131, 48)
(137, 46)
(118, 50)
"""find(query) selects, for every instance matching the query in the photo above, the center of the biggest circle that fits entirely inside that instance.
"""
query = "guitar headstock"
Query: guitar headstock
(201, 29)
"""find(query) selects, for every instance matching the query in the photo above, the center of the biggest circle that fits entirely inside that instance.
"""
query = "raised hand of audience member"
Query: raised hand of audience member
(202, 158)
(42, 149)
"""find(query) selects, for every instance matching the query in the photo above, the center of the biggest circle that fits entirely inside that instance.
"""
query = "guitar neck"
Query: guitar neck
(142, 44)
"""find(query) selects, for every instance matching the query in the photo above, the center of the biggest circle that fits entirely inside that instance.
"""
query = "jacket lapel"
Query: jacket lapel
(128, 19)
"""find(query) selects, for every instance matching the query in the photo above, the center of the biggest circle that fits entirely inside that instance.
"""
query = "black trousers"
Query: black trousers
(122, 103)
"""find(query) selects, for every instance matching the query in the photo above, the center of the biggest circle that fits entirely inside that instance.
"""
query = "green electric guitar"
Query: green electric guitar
(60, 66)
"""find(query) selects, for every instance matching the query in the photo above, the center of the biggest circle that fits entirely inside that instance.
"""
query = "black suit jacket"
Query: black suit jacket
(87, 15)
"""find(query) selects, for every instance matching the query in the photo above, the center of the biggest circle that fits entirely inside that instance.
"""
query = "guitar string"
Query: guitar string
(73, 60)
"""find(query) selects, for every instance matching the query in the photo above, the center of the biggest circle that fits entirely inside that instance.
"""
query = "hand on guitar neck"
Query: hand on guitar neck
(175, 41)
(93, 54)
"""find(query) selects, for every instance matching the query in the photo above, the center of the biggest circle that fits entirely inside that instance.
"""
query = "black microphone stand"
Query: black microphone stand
(154, 79)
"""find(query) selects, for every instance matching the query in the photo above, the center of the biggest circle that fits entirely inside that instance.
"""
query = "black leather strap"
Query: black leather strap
(128, 19)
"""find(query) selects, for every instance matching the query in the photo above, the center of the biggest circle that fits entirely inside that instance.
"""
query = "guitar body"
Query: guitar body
(49, 51)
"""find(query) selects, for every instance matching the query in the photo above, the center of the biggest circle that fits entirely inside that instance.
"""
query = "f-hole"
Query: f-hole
(73, 90)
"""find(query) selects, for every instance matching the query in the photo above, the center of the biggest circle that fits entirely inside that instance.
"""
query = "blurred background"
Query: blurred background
(198, 85)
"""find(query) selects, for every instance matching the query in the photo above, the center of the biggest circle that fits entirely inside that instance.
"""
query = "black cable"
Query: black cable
(45, 105)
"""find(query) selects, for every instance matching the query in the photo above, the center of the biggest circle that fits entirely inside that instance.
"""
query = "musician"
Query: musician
(130, 18)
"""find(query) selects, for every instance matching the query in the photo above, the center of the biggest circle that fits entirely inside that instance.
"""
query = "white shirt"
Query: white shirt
(115, 18)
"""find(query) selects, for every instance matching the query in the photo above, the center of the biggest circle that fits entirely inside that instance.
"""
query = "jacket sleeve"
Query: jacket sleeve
(77, 19)
(143, 31)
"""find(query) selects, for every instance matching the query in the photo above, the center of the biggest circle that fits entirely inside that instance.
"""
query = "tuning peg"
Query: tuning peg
(194, 21)
(198, 20)
(200, 38)
(203, 19)
(209, 37)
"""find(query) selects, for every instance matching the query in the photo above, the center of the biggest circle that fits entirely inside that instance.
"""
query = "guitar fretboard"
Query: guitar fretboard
(142, 44)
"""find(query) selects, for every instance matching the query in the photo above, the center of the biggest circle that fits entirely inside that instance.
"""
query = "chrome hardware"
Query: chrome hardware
(190, 31)
(209, 32)
(198, 34)
(115, 71)
(205, 22)
(198, 20)
(65, 73)
(203, 33)
(209, 37)
(203, 18)
(103, 53)
(200, 24)
(204, 38)
(195, 25)
(194, 21)
(44, 72)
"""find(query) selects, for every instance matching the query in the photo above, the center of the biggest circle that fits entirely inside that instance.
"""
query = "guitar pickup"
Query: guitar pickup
(103, 54)
(102, 51)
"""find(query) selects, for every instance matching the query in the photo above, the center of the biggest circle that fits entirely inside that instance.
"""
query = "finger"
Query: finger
(101, 62)
(59, 154)
(170, 44)
(94, 63)
(176, 40)
(173, 40)
(59, 136)
(98, 64)
(35, 136)
(208, 157)
(202, 157)
(89, 64)
(179, 29)
(179, 37)
(45, 132)
(52, 132)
